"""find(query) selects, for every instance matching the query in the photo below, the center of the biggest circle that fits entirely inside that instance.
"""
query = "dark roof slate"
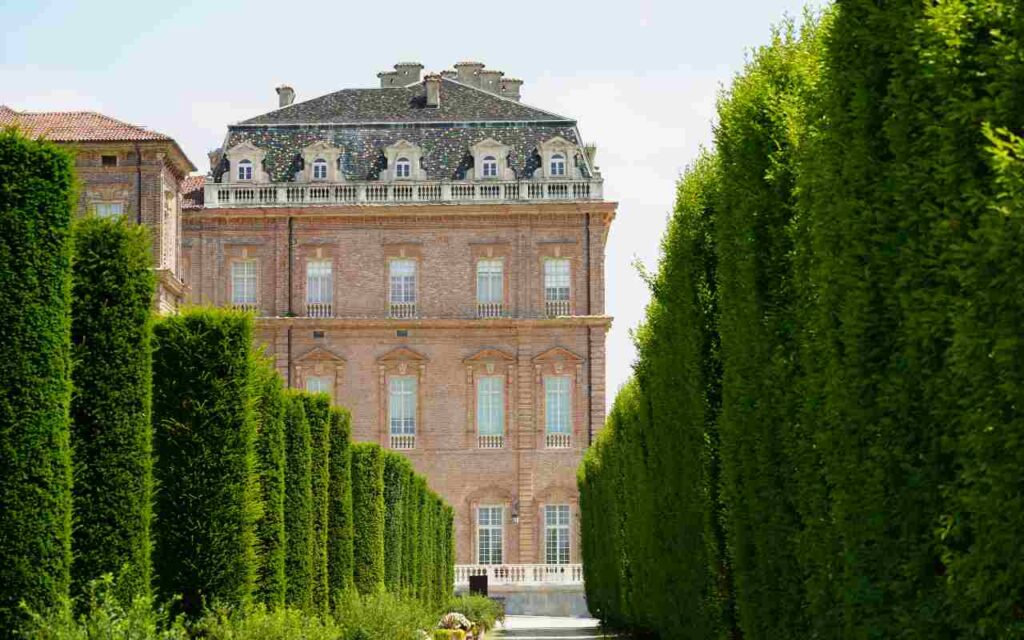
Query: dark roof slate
(458, 103)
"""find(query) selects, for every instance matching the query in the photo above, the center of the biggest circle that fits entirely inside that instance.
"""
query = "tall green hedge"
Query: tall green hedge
(36, 192)
(339, 510)
(397, 474)
(112, 434)
(368, 516)
(298, 514)
(271, 583)
(204, 419)
(318, 413)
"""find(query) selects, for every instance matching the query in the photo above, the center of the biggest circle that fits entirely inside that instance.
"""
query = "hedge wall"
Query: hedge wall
(397, 475)
(339, 511)
(823, 435)
(271, 448)
(36, 193)
(204, 423)
(368, 516)
(298, 513)
(318, 413)
(111, 430)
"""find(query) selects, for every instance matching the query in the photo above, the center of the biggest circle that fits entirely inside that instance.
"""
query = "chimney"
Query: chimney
(408, 72)
(490, 80)
(388, 79)
(468, 73)
(432, 82)
(510, 88)
(285, 95)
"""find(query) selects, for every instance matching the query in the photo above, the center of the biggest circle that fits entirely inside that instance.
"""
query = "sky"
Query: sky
(640, 76)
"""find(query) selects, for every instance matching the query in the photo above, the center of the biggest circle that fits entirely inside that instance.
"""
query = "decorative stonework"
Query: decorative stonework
(320, 362)
(401, 361)
(246, 151)
(489, 147)
(326, 152)
(404, 151)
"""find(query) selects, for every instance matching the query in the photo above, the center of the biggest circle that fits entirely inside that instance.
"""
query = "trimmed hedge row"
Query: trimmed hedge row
(318, 413)
(36, 194)
(822, 436)
(368, 516)
(340, 560)
(271, 448)
(112, 435)
(298, 503)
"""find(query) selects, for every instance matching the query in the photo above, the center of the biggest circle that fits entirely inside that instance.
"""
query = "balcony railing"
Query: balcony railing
(245, 306)
(319, 309)
(520, 574)
(555, 308)
(491, 442)
(291, 194)
(489, 309)
(558, 440)
(402, 310)
(403, 441)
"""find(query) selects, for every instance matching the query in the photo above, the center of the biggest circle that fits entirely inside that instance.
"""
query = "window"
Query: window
(556, 405)
(107, 209)
(403, 281)
(245, 170)
(489, 282)
(318, 384)
(490, 167)
(490, 521)
(558, 165)
(319, 169)
(556, 279)
(108, 161)
(490, 406)
(319, 283)
(243, 283)
(556, 534)
(403, 168)
(402, 410)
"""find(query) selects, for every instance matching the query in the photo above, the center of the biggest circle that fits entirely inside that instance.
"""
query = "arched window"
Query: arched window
(490, 167)
(245, 170)
(403, 168)
(319, 169)
(558, 165)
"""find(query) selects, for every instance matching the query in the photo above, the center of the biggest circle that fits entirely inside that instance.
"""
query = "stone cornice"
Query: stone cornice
(417, 210)
(601, 322)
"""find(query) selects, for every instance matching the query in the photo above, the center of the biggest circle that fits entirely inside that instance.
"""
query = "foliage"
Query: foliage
(382, 616)
(36, 192)
(298, 503)
(318, 413)
(271, 582)
(111, 431)
(482, 611)
(204, 423)
(397, 474)
(339, 513)
(368, 516)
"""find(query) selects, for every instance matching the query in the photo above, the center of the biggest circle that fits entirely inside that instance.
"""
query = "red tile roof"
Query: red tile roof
(75, 126)
(192, 192)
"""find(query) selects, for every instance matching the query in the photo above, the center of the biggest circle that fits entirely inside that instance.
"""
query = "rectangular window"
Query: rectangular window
(402, 405)
(403, 281)
(556, 279)
(556, 534)
(243, 282)
(319, 282)
(318, 384)
(108, 161)
(490, 406)
(489, 528)
(556, 405)
(107, 209)
(489, 282)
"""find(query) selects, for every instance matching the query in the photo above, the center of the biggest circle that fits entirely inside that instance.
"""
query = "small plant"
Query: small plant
(381, 616)
(482, 611)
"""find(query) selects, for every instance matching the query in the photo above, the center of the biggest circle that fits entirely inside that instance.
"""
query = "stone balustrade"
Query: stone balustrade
(520, 574)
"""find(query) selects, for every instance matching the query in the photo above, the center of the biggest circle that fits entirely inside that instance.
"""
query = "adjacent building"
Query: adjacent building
(430, 252)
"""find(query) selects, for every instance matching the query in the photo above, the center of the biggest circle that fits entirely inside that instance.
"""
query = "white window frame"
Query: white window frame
(245, 170)
(490, 281)
(319, 169)
(402, 401)
(490, 520)
(489, 168)
(557, 405)
(557, 279)
(245, 282)
(318, 384)
(403, 168)
(402, 281)
(557, 534)
(107, 209)
(558, 165)
(490, 406)
(319, 281)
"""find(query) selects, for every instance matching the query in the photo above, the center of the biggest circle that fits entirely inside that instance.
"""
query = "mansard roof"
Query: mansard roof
(459, 103)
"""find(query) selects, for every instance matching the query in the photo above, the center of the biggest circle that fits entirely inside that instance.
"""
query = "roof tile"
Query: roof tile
(75, 126)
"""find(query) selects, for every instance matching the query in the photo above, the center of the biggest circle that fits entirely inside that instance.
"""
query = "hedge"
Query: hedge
(36, 194)
(339, 510)
(397, 475)
(368, 517)
(298, 503)
(112, 434)
(204, 421)
(271, 448)
(318, 413)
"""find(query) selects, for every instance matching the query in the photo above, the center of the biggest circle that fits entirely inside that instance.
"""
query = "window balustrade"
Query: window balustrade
(558, 441)
(403, 441)
(491, 442)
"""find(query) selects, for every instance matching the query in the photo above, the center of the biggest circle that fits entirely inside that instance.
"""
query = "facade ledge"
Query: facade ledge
(437, 323)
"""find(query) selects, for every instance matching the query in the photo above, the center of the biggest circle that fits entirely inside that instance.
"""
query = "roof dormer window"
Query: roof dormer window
(490, 167)
(245, 170)
(403, 168)
(557, 165)
(320, 169)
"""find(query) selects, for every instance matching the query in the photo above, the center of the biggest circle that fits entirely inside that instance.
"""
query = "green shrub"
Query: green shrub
(382, 616)
(318, 413)
(368, 516)
(449, 634)
(111, 429)
(205, 441)
(271, 583)
(397, 472)
(339, 513)
(261, 623)
(35, 307)
(482, 611)
(298, 515)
